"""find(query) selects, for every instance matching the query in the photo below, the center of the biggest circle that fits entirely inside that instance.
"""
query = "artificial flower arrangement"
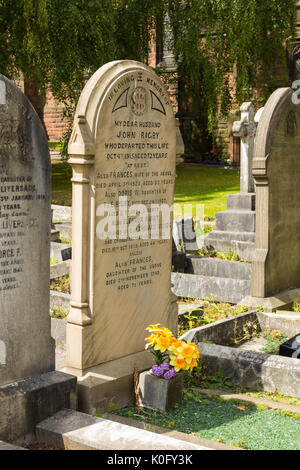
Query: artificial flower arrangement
(171, 355)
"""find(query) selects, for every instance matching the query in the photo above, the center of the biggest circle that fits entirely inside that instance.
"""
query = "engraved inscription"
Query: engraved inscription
(139, 101)
(14, 141)
(135, 170)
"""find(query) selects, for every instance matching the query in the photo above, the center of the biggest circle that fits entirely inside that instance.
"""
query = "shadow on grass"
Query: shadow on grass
(196, 415)
(61, 184)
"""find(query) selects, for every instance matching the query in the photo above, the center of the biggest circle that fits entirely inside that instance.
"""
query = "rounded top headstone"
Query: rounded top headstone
(25, 172)
(123, 154)
(140, 97)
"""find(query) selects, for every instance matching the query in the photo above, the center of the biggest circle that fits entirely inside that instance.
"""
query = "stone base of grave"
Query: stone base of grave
(281, 301)
(71, 430)
(6, 446)
(26, 403)
(235, 227)
(110, 384)
(253, 370)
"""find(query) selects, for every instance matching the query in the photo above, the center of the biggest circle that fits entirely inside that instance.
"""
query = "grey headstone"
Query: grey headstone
(26, 345)
(276, 169)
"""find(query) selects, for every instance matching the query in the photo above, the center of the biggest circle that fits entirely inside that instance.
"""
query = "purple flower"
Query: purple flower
(165, 366)
(157, 371)
(170, 374)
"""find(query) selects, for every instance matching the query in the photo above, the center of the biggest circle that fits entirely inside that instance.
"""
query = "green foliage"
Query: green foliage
(260, 308)
(195, 376)
(213, 37)
(60, 44)
(191, 319)
(61, 284)
(111, 407)
(59, 312)
(229, 256)
(241, 309)
(210, 313)
(210, 252)
(296, 306)
(218, 381)
(207, 252)
(240, 443)
(274, 340)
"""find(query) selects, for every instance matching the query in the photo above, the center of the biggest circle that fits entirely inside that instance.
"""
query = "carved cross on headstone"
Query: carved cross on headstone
(246, 130)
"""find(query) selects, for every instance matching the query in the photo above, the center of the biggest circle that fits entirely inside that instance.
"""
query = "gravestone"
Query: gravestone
(235, 227)
(246, 130)
(276, 170)
(123, 152)
(27, 358)
(24, 239)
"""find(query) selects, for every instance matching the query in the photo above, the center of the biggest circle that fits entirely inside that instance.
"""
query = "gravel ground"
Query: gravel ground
(231, 422)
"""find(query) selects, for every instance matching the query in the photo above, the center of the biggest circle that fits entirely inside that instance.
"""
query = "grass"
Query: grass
(204, 185)
(61, 184)
(232, 422)
(53, 145)
(194, 185)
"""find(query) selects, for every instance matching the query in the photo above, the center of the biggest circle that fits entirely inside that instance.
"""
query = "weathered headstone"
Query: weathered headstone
(276, 170)
(24, 239)
(123, 152)
(27, 358)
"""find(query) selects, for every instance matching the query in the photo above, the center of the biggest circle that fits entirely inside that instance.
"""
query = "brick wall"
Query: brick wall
(54, 121)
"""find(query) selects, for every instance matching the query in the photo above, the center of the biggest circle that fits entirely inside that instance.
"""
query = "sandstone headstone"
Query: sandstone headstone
(26, 346)
(123, 146)
(276, 169)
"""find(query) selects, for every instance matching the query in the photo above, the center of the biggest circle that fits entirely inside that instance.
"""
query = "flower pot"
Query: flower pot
(158, 393)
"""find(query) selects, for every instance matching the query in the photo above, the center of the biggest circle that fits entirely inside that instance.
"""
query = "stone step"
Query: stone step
(61, 213)
(65, 230)
(241, 201)
(27, 402)
(72, 430)
(6, 446)
(242, 243)
(244, 250)
(219, 288)
(235, 221)
(229, 236)
(59, 300)
(60, 269)
(215, 267)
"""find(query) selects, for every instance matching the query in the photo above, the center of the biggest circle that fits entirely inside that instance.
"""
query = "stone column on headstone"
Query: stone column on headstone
(246, 129)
